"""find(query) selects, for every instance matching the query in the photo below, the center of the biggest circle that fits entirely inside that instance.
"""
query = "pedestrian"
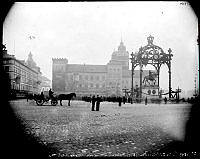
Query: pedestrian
(50, 93)
(120, 101)
(124, 99)
(93, 102)
(42, 95)
(165, 99)
(98, 103)
(146, 101)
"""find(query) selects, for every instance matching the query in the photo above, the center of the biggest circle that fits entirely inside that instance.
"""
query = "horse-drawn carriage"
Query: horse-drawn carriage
(45, 98)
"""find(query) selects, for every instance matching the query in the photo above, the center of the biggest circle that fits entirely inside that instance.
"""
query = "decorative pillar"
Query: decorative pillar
(158, 72)
(140, 96)
(169, 66)
(132, 85)
(132, 74)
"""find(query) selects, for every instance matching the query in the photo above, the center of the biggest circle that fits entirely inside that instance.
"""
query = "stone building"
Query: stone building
(106, 80)
(45, 84)
(23, 77)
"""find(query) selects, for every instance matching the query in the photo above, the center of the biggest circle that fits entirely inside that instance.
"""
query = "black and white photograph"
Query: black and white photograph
(100, 79)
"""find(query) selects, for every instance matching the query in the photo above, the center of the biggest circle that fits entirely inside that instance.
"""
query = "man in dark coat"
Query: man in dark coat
(42, 95)
(51, 94)
(124, 99)
(120, 101)
(165, 99)
(93, 102)
(146, 101)
(98, 103)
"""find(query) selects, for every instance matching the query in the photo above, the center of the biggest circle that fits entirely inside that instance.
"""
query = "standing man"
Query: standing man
(51, 93)
(98, 103)
(165, 99)
(42, 94)
(120, 101)
(93, 102)
(146, 101)
(124, 99)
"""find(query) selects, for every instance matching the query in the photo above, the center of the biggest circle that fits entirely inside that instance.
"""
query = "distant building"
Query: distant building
(45, 84)
(107, 80)
(23, 78)
(32, 64)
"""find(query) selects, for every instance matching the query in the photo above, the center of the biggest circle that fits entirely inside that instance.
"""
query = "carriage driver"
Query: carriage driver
(51, 93)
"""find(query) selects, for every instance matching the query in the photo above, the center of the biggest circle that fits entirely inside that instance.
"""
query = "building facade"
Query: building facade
(45, 84)
(23, 78)
(105, 80)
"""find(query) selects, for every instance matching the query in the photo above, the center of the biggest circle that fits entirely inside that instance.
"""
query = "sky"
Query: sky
(89, 32)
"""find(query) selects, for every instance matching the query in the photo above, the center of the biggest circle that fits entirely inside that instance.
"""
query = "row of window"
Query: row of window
(91, 85)
(27, 76)
(85, 77)
(20, 71)
(24, 72)
(114, 75)
(114, 69)
(8, 62)
(22, 87)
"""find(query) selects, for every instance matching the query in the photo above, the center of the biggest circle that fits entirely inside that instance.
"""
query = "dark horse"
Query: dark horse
(66, 97)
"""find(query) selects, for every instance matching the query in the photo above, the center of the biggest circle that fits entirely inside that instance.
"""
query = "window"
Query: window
(91, 85)
(80, 77)
(86, 77)
(97, 86)
(7, 68)
(97, 78)
(71, 77)
(91, 78)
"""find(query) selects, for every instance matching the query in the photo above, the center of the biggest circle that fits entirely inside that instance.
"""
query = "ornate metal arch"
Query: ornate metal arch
(153, 55)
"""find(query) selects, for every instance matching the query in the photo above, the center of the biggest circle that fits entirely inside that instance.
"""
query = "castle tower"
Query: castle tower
(120, 57)
(59, 66)
(30, 61)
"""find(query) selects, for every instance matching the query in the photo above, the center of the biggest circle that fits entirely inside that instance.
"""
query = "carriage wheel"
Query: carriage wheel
(39, 102)
(54, 102)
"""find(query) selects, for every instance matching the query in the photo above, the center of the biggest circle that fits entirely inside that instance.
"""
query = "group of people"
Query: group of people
(108, 99)
(96, 102)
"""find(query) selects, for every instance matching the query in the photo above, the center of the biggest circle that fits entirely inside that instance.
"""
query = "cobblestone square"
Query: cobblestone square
(129, 130)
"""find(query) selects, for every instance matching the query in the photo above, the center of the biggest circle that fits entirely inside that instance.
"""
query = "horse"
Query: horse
(66, 97)
(151, 77)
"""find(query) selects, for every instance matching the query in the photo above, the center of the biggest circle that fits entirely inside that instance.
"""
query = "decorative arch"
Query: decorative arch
(153, 55)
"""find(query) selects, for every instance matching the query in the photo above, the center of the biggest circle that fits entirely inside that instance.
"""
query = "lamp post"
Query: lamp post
(133, 60)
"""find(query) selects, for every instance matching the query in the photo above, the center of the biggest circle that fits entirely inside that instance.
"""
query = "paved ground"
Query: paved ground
(129, 130)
